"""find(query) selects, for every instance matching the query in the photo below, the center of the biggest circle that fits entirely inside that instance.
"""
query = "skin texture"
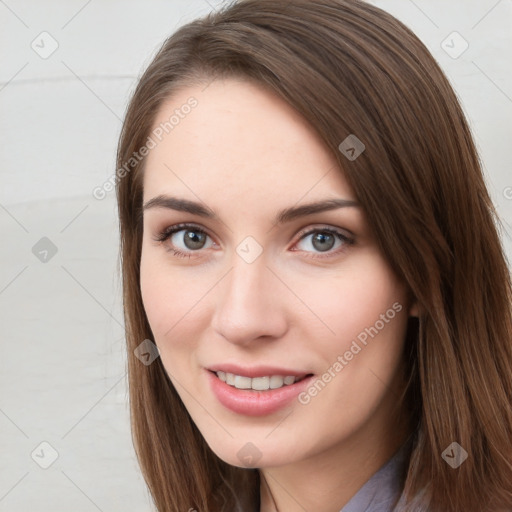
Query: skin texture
(246, 154)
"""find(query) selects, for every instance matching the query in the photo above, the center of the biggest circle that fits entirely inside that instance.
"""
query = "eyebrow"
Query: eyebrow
(286, 215)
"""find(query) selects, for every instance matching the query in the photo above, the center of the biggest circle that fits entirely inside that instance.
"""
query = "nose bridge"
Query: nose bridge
(245, 288)
(247, 305)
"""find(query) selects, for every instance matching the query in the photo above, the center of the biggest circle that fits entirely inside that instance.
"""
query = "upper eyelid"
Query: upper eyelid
(327, 227)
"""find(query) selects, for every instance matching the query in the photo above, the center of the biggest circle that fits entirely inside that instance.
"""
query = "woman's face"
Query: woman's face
(263, 294)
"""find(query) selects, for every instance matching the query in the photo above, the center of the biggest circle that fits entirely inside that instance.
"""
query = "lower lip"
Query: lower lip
(255, 403)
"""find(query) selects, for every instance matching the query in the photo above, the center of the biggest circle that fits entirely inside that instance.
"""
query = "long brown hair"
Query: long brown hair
(349, 68)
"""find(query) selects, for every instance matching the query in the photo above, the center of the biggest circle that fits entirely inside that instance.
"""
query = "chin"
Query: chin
(253, 454)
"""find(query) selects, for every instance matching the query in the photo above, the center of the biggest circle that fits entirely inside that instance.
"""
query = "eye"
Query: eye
(322, 240)
(185, 239)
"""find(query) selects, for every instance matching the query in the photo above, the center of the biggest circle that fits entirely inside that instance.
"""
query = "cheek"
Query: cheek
(369, 317)
(155, 293)
(165, 309)
(163, 294)
(353, 298)
(173, 297)
(360, 342)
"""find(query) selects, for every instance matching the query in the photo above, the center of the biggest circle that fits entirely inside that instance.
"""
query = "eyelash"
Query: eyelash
(169, 231)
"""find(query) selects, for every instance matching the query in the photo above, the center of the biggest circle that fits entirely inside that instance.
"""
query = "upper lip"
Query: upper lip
(256, 371)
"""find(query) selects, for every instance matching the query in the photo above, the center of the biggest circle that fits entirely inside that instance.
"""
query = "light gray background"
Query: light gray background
(62, 361)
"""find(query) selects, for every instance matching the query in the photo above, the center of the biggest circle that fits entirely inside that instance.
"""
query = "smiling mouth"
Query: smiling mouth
(258, 383)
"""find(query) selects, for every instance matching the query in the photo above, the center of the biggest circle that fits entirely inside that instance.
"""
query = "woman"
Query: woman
(307, 238)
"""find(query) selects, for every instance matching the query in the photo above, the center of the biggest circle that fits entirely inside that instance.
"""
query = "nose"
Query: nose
(250, 303)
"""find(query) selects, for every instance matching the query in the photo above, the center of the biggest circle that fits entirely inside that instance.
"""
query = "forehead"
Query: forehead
(238, 139)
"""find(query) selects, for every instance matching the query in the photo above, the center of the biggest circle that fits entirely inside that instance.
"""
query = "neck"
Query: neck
(327, 481)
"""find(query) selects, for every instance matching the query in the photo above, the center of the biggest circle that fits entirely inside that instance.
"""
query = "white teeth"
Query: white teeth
(256, 383)
(242, 382)
(276, 381)
(260, 383)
